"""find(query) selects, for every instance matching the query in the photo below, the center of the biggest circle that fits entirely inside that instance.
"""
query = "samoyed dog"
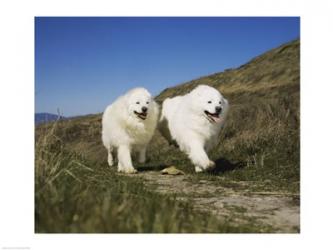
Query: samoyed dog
(128, 125)
(194, 121)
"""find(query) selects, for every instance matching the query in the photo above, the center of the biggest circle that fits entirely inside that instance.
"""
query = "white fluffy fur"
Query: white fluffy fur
(124, 130)
(189, 125)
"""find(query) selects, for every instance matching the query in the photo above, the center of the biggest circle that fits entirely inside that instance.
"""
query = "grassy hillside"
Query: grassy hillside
(74, 195)
(262, 129)
(260, 144)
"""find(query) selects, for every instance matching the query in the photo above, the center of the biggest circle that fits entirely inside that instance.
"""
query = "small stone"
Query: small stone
(75, 217)
(172, 170)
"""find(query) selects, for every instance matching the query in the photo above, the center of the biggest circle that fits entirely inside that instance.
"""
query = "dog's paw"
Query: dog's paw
(128, 170)
(110, 163)
(110, 160)
(198, 169)
(211, 165)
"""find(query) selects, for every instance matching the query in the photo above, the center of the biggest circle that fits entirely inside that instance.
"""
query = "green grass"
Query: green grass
(74, 195)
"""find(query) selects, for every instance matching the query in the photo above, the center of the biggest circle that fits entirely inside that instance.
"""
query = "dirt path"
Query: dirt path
(278, 210)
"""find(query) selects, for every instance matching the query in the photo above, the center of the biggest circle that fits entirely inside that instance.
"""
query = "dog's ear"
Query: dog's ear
(127, 97)
(126, 105)
(198, 91)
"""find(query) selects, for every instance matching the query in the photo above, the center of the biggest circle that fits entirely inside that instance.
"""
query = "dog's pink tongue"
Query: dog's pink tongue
(216, 119)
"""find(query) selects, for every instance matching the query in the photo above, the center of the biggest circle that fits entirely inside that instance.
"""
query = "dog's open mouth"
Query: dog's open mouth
(213, 118)
(142, 115)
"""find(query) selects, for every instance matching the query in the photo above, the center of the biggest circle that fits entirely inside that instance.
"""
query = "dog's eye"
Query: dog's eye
(147, 102)
(209, 101)
(137, 102)
(220, 102)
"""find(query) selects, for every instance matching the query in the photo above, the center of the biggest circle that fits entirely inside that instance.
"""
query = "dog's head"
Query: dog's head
(139, 103)
(208, 102)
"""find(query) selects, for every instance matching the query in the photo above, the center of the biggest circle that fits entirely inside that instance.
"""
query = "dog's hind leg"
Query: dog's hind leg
(110, 158)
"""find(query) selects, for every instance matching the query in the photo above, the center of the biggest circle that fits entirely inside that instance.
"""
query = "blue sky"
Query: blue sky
(83, 63)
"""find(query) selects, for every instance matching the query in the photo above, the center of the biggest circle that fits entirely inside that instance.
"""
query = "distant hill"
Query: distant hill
(276, 68)
(46, 117)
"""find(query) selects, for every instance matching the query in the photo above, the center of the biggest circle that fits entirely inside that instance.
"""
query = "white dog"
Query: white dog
(194, 122)
(128, 125)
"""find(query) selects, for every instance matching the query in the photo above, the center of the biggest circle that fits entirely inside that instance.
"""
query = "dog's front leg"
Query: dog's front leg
(110, 158)
(124, 160)
(199, 157)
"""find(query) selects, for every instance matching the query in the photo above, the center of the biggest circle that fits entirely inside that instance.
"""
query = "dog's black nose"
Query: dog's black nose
(218, 109)
(144, 109)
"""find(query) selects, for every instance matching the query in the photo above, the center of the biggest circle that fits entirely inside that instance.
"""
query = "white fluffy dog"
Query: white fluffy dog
(128, 125)
(194, 122)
